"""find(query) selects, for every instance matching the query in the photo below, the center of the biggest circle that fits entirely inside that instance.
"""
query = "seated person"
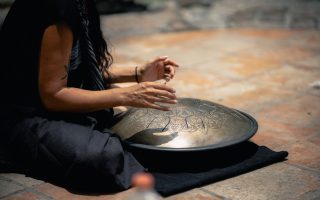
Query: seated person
(56, 96)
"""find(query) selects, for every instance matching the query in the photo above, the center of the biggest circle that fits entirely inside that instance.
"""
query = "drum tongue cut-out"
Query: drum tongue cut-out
(191, 125)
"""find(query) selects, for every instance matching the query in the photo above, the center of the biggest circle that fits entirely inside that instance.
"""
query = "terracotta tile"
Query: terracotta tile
(172, 39)
(312, 62)
(22, 179)
(315, 138)
(304, 153)
(278, 181)
(282, 78)
(272, 140)
(283, 131)
(25, 196)
(194, 194)
(56, 192)
(299, 112)
(8, 187)
(248, 65)
(273, 34)
(250, 96)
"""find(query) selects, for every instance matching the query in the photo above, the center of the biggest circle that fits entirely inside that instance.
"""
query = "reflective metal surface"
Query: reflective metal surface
(191, 125)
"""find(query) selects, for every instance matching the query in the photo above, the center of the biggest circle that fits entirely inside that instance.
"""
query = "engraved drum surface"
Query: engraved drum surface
(191, 125)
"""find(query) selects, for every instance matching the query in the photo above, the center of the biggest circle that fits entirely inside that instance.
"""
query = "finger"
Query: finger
(160, 86)
(156, 106)
(170, 69)
(160, 58)
(167, 77)
(170, 72)
(171, 62)
(159, 99)
(162, 93)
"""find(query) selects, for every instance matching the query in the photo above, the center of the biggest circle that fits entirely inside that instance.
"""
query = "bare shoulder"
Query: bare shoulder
(58, 34)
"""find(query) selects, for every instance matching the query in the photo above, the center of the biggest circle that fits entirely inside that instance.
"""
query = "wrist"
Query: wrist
(138, 74)
(122, 97)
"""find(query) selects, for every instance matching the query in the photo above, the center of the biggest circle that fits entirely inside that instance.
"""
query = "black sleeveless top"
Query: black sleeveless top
(20, 42)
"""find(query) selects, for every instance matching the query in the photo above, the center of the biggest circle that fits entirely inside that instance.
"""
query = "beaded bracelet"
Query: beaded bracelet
(136, 70)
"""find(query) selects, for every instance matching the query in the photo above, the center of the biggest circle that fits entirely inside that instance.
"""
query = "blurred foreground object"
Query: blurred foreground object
(144, 184)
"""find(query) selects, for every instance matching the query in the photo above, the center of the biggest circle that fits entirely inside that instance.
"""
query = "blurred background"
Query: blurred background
(136, 17)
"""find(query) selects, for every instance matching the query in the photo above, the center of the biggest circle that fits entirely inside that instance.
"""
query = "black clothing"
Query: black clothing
(75, 150)
(78, 149)
(20, 40)
(211, 167)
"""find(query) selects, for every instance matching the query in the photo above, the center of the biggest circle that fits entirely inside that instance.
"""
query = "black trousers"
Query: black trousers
(77, 150)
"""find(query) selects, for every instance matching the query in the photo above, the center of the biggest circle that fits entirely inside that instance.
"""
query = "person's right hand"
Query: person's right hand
(148, 94)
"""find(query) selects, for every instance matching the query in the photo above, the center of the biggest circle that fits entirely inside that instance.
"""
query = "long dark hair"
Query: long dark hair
(95, 50)
(100, 45)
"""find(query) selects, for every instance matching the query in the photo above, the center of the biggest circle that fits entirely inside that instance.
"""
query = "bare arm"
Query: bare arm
(120, 74)
(56, 96)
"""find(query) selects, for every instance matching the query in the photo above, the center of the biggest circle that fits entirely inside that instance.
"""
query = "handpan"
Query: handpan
(190, 125)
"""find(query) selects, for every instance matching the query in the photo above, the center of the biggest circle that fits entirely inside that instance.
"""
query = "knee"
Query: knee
(111, 157)
(99, 165)
(103, 154)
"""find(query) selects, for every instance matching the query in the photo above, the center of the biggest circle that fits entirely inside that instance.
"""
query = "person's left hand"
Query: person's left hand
(159, 68)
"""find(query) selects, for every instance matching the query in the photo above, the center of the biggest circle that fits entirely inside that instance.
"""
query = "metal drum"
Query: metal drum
(191, 125)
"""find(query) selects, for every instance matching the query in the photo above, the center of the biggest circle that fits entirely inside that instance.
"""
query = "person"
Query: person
(57, 100)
